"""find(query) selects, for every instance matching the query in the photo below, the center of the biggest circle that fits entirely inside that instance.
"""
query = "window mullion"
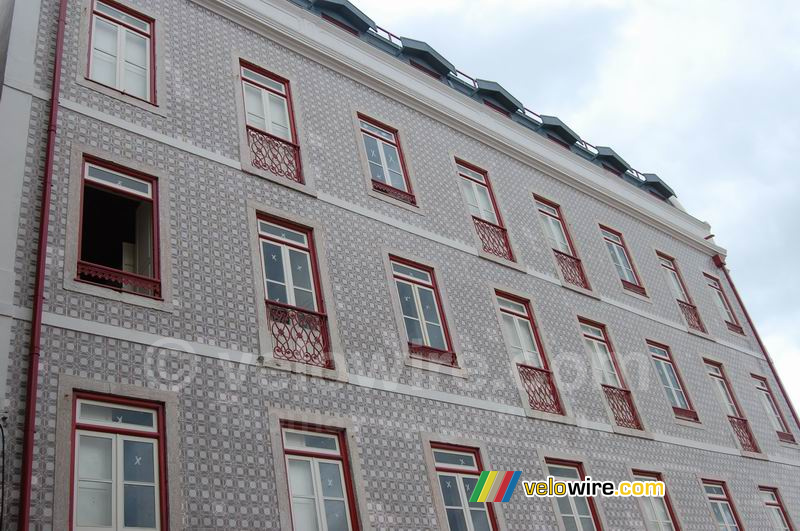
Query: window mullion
(422, 320)
(318, 499)
(267, 111)
(287, 275)
(465, 507)
(384, 164)
(120, 58)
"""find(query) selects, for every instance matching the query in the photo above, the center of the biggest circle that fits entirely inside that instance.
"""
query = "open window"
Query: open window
(555, 229)
(118, 229)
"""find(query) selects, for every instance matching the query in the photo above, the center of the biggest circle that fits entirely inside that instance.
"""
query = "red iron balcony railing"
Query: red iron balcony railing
(394, 193)
(742, 430)
(636, 288)
(299, 335)
(692, 316)
(434, 355)
(541, 389)
(494, 239)
(786, 437)
(621, 404)
(733, 327)
(572, 269)
(119, 280)
(274, 154)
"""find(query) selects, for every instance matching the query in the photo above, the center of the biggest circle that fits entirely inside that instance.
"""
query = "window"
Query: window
(522, 338)
(423, 317)
(121, 50)
(723, 305)
(457, 471)
(578, 512)
(269, 119)
(478, 195)
(320, 486)
(119, 229)
(622, 260)
(778, 517)
(118, 470)
(555, 230)
(605, 366)
(678, 288)
(774, 414)
(671, 380)
(658, 512)
(723, 389)
(724, 513)
(385, 160)
(739, 424)
(295, 307)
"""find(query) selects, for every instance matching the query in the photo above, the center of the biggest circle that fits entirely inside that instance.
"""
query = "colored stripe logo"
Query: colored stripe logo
(495, 486)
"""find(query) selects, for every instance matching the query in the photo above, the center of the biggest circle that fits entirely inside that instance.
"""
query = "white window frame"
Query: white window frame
(413, 283)
(664, 365)
(770, 405)
(269, 86)
(570, 500)
(552, 219)
(521, 318)
(651, 505)
(314, 462)
(381, 136)
(285, 245)
(719, 502)
(674, 279)
(724, 392)
(721, 301)
(619, 256)
(456, 471)
(594, 338)
(117, 480)
(476, 181)
(122, 29)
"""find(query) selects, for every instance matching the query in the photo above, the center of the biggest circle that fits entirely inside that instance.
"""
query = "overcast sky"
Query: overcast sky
(706, 94)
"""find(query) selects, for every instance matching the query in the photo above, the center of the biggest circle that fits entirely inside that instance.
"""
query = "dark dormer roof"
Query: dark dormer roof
(608, 156)
(553, 124)
(493, 90)
(348, 11)
(422, 50)
(653, 182)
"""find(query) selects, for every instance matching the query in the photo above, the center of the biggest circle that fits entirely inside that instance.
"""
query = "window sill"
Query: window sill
(549, 417)
(696, 424)
(791, 446)
(112, 92)
(641, 434)
(248, 168)
(79, 286)
(754, 455)
(635, 289)
(735, 328)
(297, 367)
(578, 289)
(502, 261)
(396, 202)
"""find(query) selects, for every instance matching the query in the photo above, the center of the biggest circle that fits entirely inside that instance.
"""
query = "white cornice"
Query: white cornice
(306, 34)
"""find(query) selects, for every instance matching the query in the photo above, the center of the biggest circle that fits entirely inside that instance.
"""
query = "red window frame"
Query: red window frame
(425, 69)
(406, 196)
(762, 386)
(577, 465)
(497, 108)
(288, 96)
(674, 267)
(559, 218)
(715, 284)
(778, 504)
(344, 457)
(159, 435)
(637, 287)
(656, 476)
(476, 453)
(311, 249)
(339, 24)
(151, 35)
(726, 498)
(425, 352)
(685, 414)
(118, 168)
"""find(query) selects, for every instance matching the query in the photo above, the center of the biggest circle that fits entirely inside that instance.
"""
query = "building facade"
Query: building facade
(301, 272)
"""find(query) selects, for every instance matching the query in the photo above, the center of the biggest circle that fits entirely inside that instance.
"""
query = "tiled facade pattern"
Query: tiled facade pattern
(226, 459)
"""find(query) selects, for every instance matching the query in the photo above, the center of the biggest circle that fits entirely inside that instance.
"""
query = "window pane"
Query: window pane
(135, 81)
(311, 440)
(304, 514)
(469, 483)
(451, 458)
(300, 480)
(480, 520)
(411, 272)
(428, 303)
(714, 490)
(469, 196)
(371, 145)
(137, 186)
(414, 331)
(376, 173)
(138, 461)
(450, 492)
(254, 105)
(93, 507)
(104, 69)
(485, 202)
(124, 17)
(282, 232)
(336, 515)
(436, 336)
(97, 412)
(407, 304)
(140, 506)
(301, 269)
(273, 262)
(263, 80)
(105, 37)
(563, 472)
(456, 520)
(135, 49)
(377, 130)
(304, 299)
(94, 461)
(512, 334)
(330, 477)
(279, 117)
(473, 174)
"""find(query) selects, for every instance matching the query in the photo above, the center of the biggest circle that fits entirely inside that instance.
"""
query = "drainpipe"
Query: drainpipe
(719, 261)
(38, 297)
